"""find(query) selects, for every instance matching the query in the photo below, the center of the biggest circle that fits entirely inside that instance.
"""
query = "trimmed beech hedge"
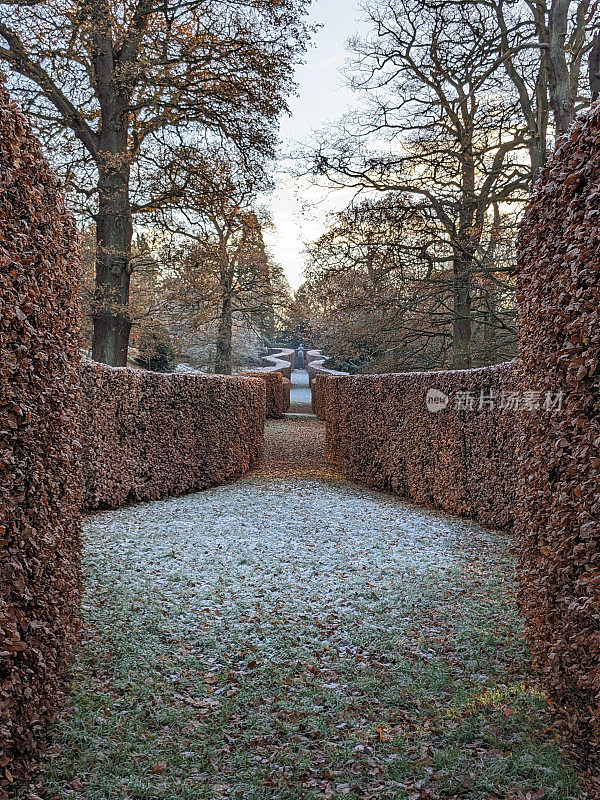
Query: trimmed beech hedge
(315, 366)
(147, 435)
(40, 491)
(558, 517)
(276, 374)
(281, 359)
(318, 393)
(380, 432)
(277, 388)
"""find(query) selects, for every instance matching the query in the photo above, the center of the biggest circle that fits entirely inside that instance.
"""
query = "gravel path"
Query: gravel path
(294, 635)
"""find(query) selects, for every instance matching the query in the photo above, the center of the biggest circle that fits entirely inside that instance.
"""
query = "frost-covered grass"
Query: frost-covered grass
(297, 638)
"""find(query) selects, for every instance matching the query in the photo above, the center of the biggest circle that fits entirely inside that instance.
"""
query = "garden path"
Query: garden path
(294, 635)
(300, 398)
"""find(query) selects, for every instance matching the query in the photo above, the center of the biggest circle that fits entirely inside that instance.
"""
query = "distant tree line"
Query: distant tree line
(458, 103)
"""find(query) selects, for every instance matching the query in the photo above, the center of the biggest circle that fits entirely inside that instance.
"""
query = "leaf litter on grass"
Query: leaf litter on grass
(294, 637)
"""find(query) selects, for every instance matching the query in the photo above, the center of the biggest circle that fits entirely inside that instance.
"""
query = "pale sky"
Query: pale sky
(322, 96)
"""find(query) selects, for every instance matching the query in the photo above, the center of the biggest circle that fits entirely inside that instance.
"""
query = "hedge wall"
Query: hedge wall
(380, 432)
(318, 393)
(558, 517)
(281, 359)
(39, 487)
(315, 366)
(147, 435)
(277, 389)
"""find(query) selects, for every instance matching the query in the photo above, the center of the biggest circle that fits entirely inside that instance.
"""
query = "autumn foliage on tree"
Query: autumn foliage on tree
(119, 90)
(223, 274)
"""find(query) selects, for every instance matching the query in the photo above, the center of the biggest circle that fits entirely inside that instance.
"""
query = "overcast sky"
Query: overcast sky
(322, 96)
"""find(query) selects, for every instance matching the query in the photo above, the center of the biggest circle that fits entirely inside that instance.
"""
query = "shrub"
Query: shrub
(40, 490)
(155, 350)
(558, 517)
(379, 431)
(277, 388)
(147, 435)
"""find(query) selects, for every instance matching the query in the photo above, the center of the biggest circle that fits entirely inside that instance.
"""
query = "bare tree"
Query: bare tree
(381, 299)
(544, 47)
(454, 94)
(435, 93)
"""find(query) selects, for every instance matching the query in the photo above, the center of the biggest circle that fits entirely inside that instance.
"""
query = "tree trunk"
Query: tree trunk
(537, 156)
(594, 68)
(114, 233)
(562, 100)
(464, 248)
(224, 355)
(489, 328)
(461, 324)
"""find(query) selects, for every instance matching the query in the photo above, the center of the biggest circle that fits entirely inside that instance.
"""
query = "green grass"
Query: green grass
(415, 687)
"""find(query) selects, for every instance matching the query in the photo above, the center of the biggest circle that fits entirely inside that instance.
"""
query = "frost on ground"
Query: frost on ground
(287, 637)
(300, 395)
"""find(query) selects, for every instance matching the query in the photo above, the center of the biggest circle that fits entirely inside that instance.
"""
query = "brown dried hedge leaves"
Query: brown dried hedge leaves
(380, 431)
(277, 388)
(147, 435)
(39, 419)
(558, 517)
(545, 464)
(143, 436)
